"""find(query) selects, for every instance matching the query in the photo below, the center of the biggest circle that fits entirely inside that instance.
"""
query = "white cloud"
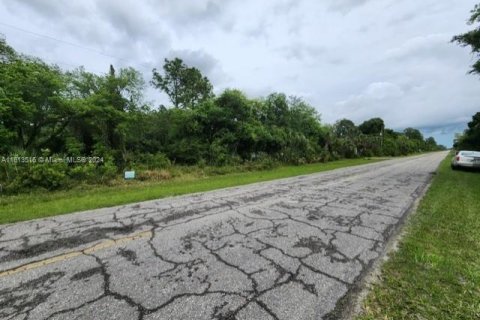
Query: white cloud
(344, 6)
(383, 90)
(206, 63)
(426, 46)
(370, 102)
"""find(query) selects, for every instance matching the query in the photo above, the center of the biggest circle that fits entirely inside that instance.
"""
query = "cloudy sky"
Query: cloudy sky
(354, 59)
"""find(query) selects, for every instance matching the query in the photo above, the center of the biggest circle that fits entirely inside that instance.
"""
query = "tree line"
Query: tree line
(46, 111)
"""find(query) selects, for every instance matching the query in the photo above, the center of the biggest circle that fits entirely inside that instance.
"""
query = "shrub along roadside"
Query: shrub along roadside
(435, 274)
(42, 204)
(49, 112)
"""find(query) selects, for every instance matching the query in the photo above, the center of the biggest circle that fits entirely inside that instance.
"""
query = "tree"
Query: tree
(106, 104)
(472, 38)
(345, 129)
(471, 137)
(431, 144)
(413, 134)
(7, 53)
(276, 110)
(304, 118)
(346, 134)
(32, 103)
(391, 133)
(44, 110)
(373, 126)
(185, 86)
(235, 104)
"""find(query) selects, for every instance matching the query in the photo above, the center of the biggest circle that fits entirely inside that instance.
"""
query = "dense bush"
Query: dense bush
(46, 111)
(151, 161)
(470, 140)
(30, 173)
(37, 175)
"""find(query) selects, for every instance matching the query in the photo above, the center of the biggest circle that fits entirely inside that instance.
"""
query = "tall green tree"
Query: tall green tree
(472, 38)
(7, 133)
(276, 110)
(108, 103)
(345, 128)
(471, 137)
(413, 134)
(346, 138)
(372, 126)
(7, 53)
(431, 144)
(185, 86)
(33, 106)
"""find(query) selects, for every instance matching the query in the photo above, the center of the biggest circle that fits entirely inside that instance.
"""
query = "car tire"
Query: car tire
(453, 167)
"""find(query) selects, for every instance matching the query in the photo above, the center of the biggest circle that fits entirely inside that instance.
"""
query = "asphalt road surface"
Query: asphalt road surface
(294, 248)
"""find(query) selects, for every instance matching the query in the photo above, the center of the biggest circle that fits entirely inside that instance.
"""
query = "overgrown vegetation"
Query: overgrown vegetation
(95, 126)
(470, 139)
(182, 180)
(436, 272)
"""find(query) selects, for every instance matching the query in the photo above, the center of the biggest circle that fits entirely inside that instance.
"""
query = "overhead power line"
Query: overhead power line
(69, 43)
(59, 40)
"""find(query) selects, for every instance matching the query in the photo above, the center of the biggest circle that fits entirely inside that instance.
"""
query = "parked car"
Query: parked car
(466, 159)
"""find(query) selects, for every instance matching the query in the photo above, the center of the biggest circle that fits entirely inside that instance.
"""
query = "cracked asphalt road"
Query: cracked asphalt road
(294, 248)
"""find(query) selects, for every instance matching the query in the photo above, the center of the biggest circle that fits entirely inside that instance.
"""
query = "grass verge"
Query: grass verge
(37, 205)
(435, 274)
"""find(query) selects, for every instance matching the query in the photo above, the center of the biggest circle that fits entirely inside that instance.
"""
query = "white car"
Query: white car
(466, 159)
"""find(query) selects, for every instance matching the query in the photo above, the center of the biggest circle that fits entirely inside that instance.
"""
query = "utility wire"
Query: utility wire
(59, 40)
(70, 44)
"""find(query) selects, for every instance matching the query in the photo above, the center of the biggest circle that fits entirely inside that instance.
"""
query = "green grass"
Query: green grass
(435, 274)
(37, 205)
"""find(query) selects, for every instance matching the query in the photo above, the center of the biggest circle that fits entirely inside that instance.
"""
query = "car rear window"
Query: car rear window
(470, 153)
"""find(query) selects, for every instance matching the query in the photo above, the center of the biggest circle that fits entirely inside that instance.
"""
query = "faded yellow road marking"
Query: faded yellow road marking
(69, 255)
